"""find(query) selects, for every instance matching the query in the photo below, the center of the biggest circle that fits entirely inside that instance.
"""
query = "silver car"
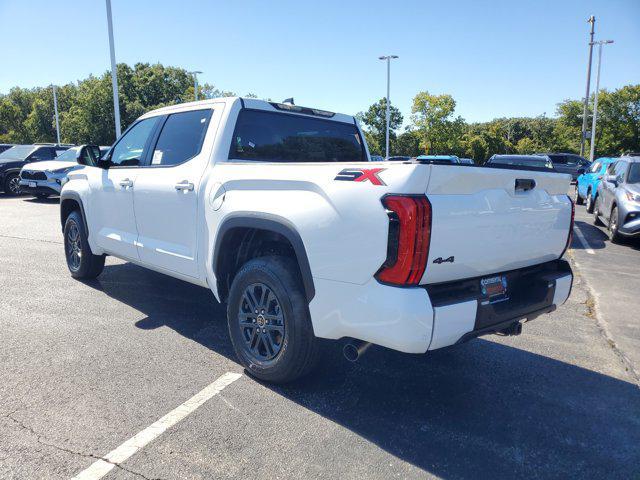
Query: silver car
(43, 179)
(618, 200)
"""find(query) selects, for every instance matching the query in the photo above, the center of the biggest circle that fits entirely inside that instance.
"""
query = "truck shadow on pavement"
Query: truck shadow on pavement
(598, 238)
(481, 410)
(592, 234)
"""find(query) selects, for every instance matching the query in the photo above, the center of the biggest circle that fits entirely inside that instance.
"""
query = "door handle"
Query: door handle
(184, 186)
(525, 184)
(126, 183)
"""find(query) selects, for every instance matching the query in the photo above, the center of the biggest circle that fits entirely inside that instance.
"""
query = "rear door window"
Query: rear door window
(281, 137)
(181, 137)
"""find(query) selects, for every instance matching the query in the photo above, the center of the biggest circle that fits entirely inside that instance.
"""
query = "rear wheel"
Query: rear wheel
(269, 321)
(81, 261)
(614, 235)
(12, 184)
(578, 198)
(590, 202)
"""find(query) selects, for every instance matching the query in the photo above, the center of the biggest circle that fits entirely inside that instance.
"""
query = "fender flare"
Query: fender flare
(273, 223)
(76, 197)
(9, 171)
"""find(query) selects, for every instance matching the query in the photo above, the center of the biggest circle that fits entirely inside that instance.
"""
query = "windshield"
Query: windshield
(19, 152)
(68, 155)
(530, 161)
(634, 173)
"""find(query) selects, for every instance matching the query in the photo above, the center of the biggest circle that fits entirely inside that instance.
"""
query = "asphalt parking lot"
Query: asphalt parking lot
(613, 274)
(84, 367)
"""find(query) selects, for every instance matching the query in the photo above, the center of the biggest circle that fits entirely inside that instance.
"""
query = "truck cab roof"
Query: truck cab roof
(256, 104)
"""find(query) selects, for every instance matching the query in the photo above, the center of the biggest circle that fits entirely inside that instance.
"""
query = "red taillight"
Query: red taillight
(409, 237)
(570, 236)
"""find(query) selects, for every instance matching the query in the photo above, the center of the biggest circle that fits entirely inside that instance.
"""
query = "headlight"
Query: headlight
(632, 197)
(61, 170)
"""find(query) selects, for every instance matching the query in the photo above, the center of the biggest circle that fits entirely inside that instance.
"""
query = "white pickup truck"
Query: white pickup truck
(278, 211)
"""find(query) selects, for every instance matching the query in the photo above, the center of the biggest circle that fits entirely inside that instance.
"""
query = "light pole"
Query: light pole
(595, 100)
(585, 108)
(388, 58)
(114, 72)
(55, 111)
(195, 83)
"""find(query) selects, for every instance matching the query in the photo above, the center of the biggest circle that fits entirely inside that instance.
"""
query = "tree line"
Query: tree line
(86, 116)
(86, 107)
(435, 128)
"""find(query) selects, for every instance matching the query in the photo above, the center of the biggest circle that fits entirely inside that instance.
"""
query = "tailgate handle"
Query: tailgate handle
(525, 184)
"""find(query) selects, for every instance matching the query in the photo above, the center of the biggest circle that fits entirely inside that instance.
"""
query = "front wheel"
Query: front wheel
(614, 235)
(12, 185)
(269, 322)
(81, 261)
(596, 213)
(578, 198)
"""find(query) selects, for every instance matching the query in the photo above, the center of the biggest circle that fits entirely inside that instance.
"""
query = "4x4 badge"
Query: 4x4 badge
(439, 260)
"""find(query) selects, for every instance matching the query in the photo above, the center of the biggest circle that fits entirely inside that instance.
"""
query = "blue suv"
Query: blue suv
(587, 184)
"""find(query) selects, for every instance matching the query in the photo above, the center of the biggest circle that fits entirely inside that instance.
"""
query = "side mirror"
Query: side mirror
(611, 179)
(88, 156)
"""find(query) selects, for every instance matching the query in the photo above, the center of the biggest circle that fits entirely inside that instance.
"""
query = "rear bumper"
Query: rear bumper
(415, 320)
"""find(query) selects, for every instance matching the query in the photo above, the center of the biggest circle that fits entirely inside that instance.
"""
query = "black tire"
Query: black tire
(12, 185)
(81, 261)
(578, 198)
(590, 202)
(288, 326)
(614, 235)
(596, 213)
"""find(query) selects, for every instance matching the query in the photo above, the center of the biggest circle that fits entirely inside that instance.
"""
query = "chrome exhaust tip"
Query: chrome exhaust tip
(353, 350)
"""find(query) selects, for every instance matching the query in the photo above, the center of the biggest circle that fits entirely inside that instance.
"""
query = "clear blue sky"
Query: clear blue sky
(497, 58)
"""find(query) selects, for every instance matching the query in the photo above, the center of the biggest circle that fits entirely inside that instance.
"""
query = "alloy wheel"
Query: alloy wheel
(613, 224)
(74, 247)
(261, 322)
(14, 185)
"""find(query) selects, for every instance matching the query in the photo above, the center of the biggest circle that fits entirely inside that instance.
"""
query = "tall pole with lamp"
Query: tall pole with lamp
(114, 72)
(55, 111)
(388, 58)
(595, 101)
(585, 109)
(195, 83)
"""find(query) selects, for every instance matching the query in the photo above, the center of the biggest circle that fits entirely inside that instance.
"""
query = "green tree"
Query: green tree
(433, 118)
(407, 143)
(375, 121)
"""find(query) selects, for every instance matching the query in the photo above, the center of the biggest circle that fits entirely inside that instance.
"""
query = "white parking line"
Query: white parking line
(103, 466)
(583, 241)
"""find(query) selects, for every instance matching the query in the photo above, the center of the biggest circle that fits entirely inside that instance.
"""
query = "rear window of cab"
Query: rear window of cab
(281, 137)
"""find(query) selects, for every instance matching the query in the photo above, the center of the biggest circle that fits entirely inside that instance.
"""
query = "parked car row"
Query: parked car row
(611, 191)
(40, 169)
(569, 163)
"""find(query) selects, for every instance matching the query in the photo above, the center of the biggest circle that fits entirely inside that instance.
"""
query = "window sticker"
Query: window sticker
(157, 158)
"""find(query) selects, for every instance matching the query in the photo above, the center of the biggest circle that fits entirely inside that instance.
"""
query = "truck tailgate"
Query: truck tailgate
(487, 220)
